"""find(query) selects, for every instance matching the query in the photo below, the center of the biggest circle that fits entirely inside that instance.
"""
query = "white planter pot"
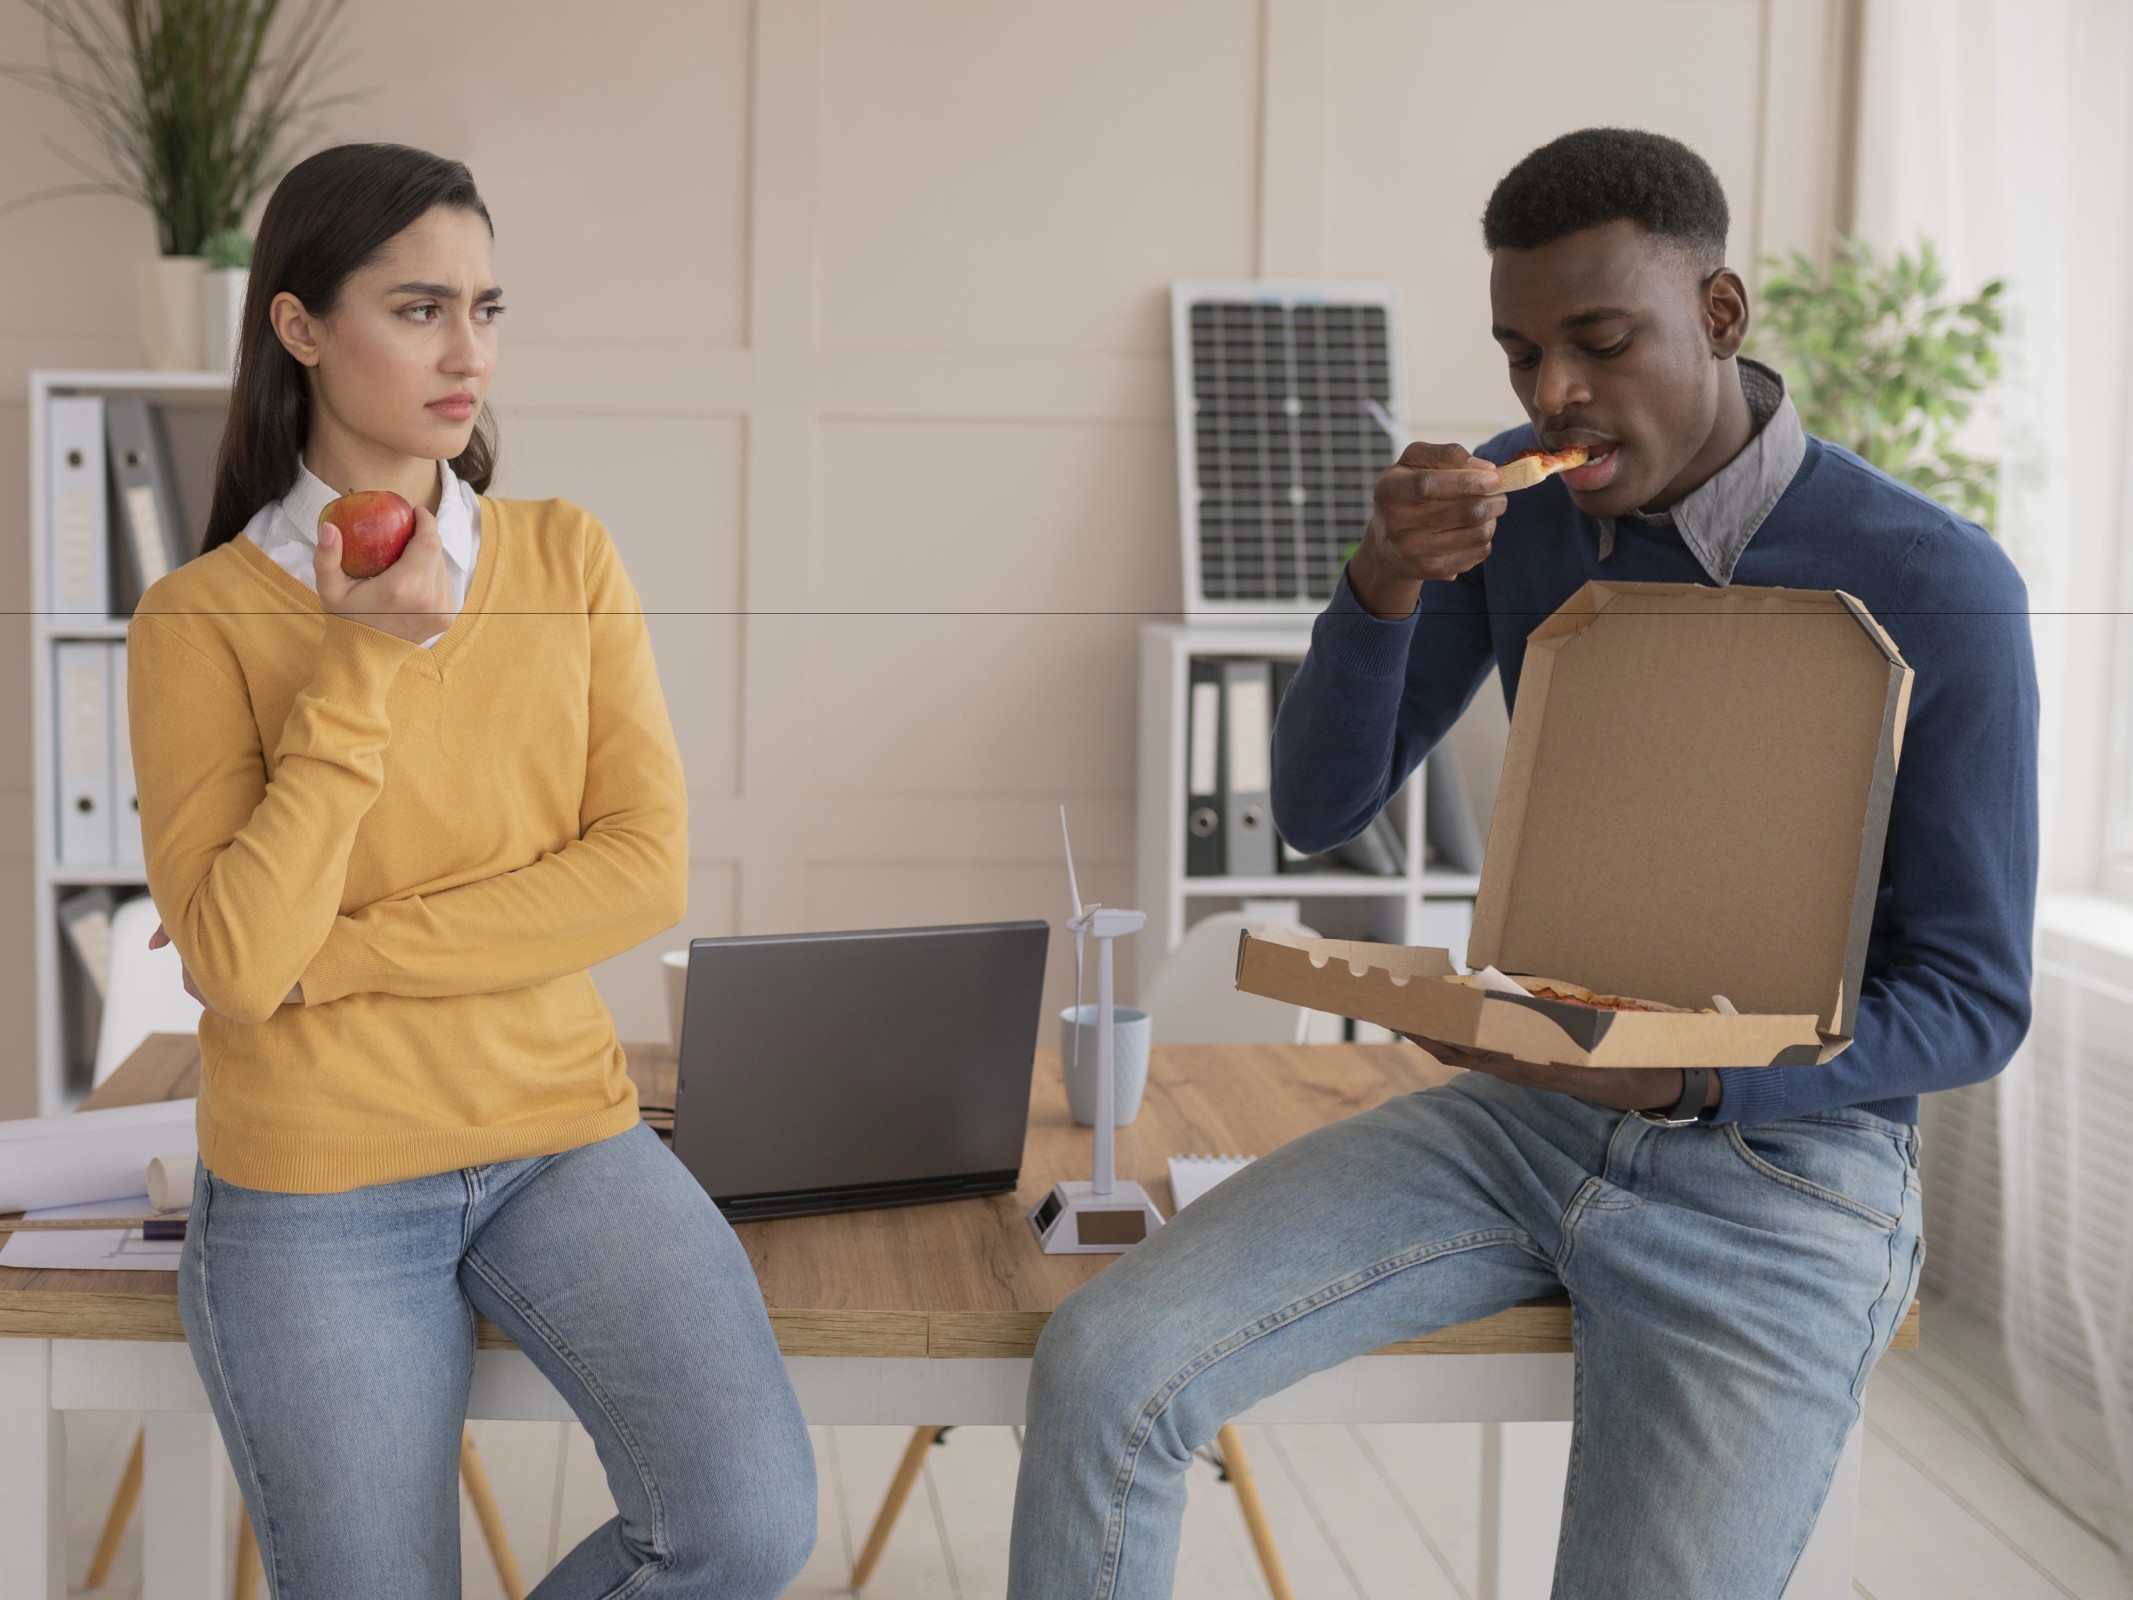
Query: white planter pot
(167, 305)
(221, 316)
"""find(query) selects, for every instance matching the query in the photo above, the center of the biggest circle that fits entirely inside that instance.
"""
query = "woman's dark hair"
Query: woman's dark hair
(328, 218)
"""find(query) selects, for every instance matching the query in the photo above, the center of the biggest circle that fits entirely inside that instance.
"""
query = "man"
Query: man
(1738, 1245)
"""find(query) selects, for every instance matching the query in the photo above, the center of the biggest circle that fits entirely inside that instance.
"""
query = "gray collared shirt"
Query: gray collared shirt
(1719, 516)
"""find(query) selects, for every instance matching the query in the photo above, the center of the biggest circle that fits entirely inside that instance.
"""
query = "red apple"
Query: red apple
(375, 526)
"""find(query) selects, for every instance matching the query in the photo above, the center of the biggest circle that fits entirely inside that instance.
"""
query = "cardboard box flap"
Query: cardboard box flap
(1403, 989)
(1694, 797)
(1399, 962)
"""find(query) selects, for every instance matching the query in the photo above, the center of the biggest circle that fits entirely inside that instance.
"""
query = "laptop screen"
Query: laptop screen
(832, 1062)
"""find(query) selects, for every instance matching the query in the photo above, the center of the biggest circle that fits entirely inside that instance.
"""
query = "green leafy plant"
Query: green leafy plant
(227, 251)
(1879, 361)
(197, 104)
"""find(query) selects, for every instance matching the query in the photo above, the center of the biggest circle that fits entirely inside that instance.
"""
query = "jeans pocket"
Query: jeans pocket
(1832, 1163)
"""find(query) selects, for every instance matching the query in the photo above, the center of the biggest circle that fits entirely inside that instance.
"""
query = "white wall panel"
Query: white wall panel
(1019, 177)
(610, 142)
(988, 647)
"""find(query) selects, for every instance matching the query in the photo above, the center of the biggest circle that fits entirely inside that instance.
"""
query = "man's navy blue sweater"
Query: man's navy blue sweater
(1946, 995)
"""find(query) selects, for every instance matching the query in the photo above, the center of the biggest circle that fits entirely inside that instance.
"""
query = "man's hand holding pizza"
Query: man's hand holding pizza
(1433, 517)
(1621, 1088)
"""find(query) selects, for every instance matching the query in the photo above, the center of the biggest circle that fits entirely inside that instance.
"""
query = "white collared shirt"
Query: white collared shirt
(287, 530)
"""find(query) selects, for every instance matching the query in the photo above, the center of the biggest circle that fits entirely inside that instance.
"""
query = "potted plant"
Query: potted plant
(1878, 361)
(197, 106)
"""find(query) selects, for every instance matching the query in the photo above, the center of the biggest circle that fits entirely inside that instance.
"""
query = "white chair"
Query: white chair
(1193, 998)
(145, 992)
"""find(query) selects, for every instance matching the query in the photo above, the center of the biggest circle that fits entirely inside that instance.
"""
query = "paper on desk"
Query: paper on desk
(1193, 1176)
(89, 1155)
(94, 1249)
(146, 1113)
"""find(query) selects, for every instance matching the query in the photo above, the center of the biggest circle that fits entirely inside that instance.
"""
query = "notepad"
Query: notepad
(1193, 1176)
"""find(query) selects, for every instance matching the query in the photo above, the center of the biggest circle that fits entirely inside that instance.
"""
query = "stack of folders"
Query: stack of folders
(1229, 820)
(99, 811)
(115, 525)
(1229, 817)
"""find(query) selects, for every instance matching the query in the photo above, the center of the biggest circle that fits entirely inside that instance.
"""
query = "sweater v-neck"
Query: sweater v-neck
(435, 657)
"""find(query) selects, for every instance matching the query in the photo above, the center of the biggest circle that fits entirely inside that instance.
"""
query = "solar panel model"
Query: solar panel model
(1286, 393)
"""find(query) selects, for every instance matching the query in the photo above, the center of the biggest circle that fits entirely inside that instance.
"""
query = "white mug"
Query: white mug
(676, 966)
(1129, 1062)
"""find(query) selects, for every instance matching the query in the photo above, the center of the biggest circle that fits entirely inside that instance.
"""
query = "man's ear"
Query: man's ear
(1725, 313)
(295, 327)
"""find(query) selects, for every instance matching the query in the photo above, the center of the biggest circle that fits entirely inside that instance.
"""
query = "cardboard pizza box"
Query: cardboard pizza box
(1693, 804)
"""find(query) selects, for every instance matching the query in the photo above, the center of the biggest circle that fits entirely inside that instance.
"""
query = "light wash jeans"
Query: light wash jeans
(335, 1334)
(1731, 1288)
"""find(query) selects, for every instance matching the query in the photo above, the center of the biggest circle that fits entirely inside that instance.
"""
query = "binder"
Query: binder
(83, 730)
(1287, 858)
(1248, 728)
(125, 798)
(85, 918)
(1205, 853)
(1376, 851)
(150, 526)
(1454, 838)
(77, 531)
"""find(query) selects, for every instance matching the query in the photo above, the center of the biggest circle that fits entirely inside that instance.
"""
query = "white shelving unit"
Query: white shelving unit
(194, 403)
(1417, 906)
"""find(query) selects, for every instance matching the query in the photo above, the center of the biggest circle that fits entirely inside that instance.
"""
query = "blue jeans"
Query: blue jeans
(335, 1335)
(1730, 1288)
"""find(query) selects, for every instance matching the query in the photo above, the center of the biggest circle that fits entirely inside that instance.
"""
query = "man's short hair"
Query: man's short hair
(1598, 175)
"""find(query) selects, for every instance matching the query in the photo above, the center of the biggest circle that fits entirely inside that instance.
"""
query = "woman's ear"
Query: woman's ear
(295, 327)
(1725, 313)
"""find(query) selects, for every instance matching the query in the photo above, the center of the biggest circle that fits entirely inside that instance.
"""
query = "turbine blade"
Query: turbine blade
(1073, 888)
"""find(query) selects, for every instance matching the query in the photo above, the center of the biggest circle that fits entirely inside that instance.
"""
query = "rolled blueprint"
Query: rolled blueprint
(170, 1179)
(88, 1155)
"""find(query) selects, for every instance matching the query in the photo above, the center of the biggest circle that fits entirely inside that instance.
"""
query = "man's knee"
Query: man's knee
(1101, 1360)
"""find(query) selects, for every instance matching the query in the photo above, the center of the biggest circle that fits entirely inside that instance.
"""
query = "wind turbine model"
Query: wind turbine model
(1107, 1213)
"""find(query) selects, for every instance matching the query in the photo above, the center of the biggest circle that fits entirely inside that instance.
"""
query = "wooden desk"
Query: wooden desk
(922, 1314)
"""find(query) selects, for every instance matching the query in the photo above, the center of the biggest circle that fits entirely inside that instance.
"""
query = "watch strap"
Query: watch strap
(1695, 1089)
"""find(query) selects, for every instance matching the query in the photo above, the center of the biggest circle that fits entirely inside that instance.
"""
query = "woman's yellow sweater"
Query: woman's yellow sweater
(436, 843)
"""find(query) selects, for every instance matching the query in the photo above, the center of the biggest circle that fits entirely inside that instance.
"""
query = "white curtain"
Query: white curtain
(2000, 130)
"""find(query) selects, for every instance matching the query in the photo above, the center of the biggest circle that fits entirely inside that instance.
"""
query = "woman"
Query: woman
(391, 821)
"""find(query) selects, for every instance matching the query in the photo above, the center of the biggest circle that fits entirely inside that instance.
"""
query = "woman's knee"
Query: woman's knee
(745, 1558)
(752, 1535)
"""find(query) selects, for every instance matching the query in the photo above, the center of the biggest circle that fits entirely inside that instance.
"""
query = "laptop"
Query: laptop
(843, 1071)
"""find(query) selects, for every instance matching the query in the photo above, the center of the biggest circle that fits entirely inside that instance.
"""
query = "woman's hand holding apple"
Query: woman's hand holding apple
(411, 599)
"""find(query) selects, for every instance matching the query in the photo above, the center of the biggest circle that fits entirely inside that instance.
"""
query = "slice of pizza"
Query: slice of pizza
(1579, 996)
(1529, 467)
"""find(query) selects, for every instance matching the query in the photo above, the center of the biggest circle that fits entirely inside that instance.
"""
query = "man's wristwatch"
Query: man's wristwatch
(1695, 1089)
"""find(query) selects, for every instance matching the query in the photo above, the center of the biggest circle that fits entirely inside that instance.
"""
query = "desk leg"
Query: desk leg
(188, 1511)
(1523, 1468)
(1825, 1569)
(33, 1474)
